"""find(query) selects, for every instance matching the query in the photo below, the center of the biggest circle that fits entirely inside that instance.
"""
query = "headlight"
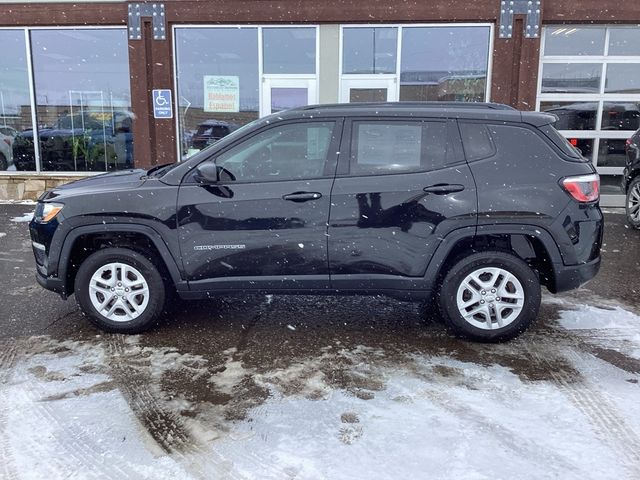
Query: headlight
(45, 212)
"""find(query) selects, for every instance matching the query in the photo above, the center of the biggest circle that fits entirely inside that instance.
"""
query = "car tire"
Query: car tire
(4, 164)
(632, 204)
(120, 290)
(498, 293)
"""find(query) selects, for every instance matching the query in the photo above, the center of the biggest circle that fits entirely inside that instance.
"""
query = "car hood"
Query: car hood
(116, 181)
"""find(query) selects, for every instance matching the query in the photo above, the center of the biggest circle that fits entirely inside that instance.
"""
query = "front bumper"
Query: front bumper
(52, 283)
(570, 277)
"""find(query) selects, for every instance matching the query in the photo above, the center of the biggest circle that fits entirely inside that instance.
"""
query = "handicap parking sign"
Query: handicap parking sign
(162, 103)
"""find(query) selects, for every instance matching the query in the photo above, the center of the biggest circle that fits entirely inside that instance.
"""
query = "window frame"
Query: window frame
(330, 161)
(33, 103)
(600, 98)
(395, 77)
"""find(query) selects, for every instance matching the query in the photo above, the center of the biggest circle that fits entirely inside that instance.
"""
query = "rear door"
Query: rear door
(402, 186)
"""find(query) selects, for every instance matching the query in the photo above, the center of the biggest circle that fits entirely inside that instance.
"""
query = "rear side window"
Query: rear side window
(520, 146)
(477, 141)
(379, 147)
(561, 142)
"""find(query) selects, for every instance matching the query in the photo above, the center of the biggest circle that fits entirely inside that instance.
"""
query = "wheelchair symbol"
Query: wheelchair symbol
(161, 101)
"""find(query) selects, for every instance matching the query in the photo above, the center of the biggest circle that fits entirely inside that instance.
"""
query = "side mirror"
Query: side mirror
(207, 172)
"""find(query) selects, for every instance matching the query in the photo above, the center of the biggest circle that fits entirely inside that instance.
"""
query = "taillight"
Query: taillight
(584, 188)
(629, 141)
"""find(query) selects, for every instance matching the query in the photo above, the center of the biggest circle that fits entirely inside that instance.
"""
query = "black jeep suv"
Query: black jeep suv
(631, 180)
(470, 206)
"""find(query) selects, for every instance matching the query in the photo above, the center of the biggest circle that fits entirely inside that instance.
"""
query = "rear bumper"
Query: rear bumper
(569, 277)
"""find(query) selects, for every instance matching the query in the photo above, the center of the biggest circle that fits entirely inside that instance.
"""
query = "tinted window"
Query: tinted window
(477, 141)
(520, 147)
(573, 115)
(289, 50)
(571, 77)
(285, 152)
(390, 147)
(572, 40)
(369, 50)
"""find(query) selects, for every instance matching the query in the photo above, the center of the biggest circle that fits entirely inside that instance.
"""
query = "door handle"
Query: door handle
(443, 189)
(302, 196)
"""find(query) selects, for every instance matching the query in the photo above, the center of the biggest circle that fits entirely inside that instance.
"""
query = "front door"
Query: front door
(264, 223)
(359, 89)
(283, 93)
(401, 186)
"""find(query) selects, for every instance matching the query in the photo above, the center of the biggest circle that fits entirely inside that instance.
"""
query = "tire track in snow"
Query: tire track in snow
(609, 425)
(165, 428)
(72, 440)
(8, 353)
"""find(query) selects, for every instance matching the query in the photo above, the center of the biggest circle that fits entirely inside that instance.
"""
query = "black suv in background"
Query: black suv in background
(631, 180)
(471, 206)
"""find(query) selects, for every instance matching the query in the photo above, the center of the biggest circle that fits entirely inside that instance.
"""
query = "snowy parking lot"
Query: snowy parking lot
(283, 387)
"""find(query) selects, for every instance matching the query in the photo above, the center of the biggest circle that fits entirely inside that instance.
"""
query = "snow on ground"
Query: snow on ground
(24, 218)
(101, 408)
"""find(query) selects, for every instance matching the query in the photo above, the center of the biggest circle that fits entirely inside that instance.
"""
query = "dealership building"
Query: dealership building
(89, 87)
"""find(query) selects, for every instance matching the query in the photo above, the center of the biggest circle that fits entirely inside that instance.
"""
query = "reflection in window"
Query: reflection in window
(397, 147)
(574, 40)
(217, 82)
(611, 153)
(584, 145)
(360, 95)
(369, 50)
(287, 152)
(572, 115)
(624, 41)
(15, 106)
(571, 78)
(623, 78)
(621, 116)
(83, 100)
(444, 63)
(289, 50)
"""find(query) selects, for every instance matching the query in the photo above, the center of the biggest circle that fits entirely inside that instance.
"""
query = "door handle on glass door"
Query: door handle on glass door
(302, 196)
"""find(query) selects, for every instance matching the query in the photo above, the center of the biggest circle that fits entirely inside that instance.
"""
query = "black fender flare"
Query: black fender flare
(449, 242)
(153, 235)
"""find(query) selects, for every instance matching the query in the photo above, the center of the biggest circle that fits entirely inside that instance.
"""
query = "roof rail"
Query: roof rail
(462, 105)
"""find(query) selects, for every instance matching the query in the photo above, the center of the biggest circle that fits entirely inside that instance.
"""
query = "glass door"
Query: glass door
(357, 90)
(283, 93)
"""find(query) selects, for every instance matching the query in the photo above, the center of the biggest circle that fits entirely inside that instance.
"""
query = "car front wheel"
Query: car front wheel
(120, 290)
(490, 297)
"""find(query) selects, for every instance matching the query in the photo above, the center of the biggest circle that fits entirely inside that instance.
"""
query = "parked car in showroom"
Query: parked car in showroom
(471, 206)
(210, 132)
(631, 180)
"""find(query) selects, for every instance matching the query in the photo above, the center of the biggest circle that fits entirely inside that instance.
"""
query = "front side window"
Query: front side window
(286, 152)
(83, 99)
(397, 147)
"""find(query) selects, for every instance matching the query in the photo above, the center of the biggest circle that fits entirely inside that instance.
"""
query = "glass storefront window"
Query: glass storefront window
(289, 50)
(623, 78)
(15, 105)
(573, 40)
(572, 115)
(621, 116)
(624, 41)
(611, 152)
(217, 83)
(444, 63)
(369, 50)
(83, 100)
(571, 77)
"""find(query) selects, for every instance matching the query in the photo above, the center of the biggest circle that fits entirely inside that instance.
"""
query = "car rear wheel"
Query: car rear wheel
(120, 290)
(633, 203)
(490, 297)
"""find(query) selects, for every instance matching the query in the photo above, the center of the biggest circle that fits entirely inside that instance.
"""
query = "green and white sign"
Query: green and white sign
(221, 93)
